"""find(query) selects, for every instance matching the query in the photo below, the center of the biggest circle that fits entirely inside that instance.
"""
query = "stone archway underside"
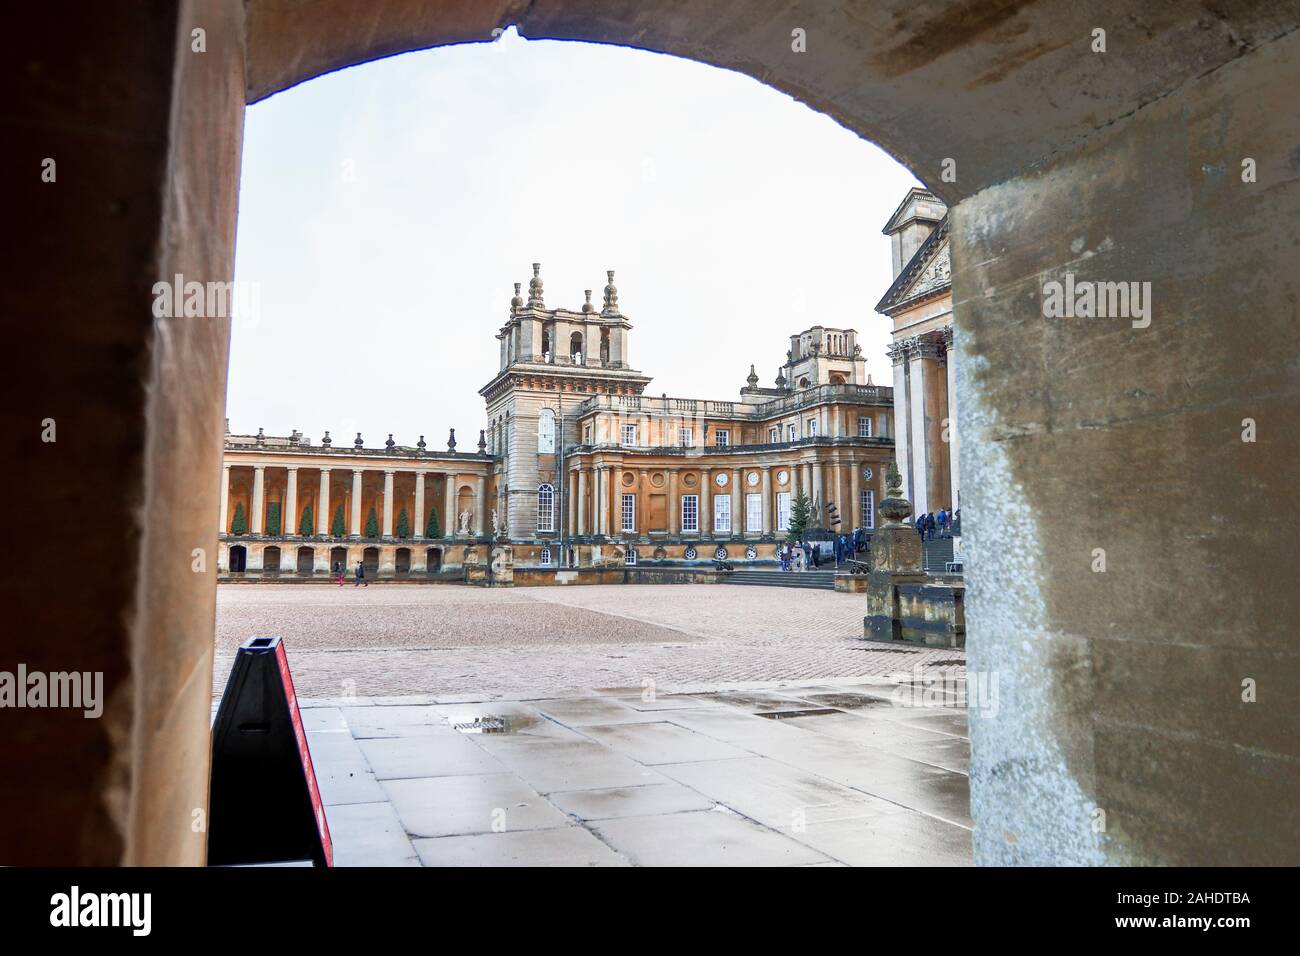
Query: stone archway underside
(1118, 690)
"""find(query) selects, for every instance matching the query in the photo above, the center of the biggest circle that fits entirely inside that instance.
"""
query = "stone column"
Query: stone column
(323, 504)
(642, 497)
(844, 508)
(953, 442)
(856, 520)
(737, 505)
(387, 530)
(902, 434)
(225, 499)
(259, 488)
(417, 532)
(767, 500)
(818, 515)
(582, 502)
(674, 506)
(355, 528)
(289, 521)
(480, 505)
(449, 505)
(572, 509)
(804, 472)
(916, 371)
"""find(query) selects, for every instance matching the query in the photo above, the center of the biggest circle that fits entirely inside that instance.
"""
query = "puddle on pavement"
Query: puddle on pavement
(497, 724)
(848, 701)
(787, 714)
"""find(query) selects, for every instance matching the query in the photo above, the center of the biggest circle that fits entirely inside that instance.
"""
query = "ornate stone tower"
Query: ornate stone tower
(552, 360)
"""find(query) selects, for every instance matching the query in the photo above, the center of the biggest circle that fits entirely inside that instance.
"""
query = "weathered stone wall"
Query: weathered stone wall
(1121, 691)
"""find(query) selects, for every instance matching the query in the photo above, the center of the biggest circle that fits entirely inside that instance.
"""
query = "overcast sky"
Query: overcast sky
(386, 210)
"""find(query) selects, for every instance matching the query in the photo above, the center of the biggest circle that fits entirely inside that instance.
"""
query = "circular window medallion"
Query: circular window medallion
(628, 478)
(782, 477)
(868, 474)
(691, 553)
(720, 478)
(660, 554)
(658, 479)
(689, 480)
(721, 553)
(751, 552)
(752, 478)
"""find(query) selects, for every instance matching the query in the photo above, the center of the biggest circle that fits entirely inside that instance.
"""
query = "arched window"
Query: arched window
(546, 432)
(575, 348)
(545, 508)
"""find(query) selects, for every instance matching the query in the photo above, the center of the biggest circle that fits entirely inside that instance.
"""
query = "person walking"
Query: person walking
(361, 576)
(338, 571)
(943, 523)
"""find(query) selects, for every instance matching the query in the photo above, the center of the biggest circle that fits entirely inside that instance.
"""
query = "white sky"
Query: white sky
(386, 210)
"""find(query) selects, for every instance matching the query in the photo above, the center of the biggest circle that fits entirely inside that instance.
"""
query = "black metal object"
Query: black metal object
(264, 806)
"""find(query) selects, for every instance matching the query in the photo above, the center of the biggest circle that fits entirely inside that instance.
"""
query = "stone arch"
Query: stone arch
(306, 562)
(1019, 134)
(238, 559)
(575, 348)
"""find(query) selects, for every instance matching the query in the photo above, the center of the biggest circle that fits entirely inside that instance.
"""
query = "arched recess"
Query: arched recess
(1050, 161)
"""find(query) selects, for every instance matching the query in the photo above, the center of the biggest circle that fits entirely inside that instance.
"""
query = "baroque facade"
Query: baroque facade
(578, 467)
(919, 304)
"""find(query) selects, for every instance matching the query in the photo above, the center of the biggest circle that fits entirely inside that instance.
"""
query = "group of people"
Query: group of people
(942, 525)
(810, 555)
(360, 574)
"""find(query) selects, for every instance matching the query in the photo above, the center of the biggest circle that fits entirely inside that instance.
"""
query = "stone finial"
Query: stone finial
(611, 295)
(451, 441)
(482, 440)
(780, 378)
(752, 378)
(390, 444)
(326, 441)
(896, 508)
(535, 297)
(358, 444)
(587, 306)
(261, 438)
(227, 426)
(420, 446)
(517, 301)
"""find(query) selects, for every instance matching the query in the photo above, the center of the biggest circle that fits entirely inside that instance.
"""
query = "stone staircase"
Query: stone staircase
(936, 553)
(824, 580)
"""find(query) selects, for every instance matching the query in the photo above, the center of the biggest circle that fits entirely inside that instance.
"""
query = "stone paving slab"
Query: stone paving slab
(565, 846)
(705, 838)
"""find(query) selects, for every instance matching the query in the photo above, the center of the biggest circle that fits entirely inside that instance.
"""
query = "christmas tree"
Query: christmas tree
(336, 526)
(432, 530)
(240, 523)
(372, 524)
(305, 525)
(800, 512)
(273, 518)
(403, 524)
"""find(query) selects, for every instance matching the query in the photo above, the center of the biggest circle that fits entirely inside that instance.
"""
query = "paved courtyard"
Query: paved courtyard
(617, 725)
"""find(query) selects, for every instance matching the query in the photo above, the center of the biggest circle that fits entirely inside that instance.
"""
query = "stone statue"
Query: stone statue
(496, 524)
(464, 522)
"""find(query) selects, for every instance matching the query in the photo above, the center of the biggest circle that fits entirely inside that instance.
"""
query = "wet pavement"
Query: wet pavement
(854, 773)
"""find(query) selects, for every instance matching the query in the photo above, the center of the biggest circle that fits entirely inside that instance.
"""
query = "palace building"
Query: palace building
(919, 303)
(577, 467)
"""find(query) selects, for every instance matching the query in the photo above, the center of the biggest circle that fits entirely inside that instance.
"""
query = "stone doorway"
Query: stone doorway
(306, 560)
(238, 559)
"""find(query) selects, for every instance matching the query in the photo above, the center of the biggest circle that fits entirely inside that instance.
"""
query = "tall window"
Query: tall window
(586, 434)
(753, 512)
(629, 512)
(546, 432)
(868, 508)
(686, 437)
(545, 508)
(691, 513)
(723, 437)
(794, 432)
(864, 427)
(629, 434)
(812, 428)
(630, 557)
(722, 513)
(774, 434)
(783, 511)
(546, 557)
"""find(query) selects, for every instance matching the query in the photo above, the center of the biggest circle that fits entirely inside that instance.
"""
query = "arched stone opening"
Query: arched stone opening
(1046, 153)
(338, 561)
(370, 560)
(433, 560)
(238, 559)
(271, 559)
(402, 561)
(306, 560)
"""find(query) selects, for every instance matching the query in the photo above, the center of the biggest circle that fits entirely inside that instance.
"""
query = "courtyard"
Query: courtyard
(616, 725)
